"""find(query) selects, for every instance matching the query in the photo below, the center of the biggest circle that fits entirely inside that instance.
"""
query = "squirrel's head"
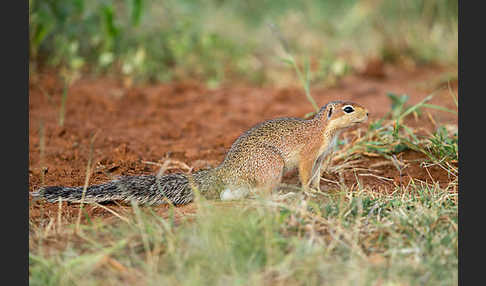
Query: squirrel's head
(343, 114)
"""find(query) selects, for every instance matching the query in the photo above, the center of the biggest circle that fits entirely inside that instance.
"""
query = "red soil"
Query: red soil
(196, 125)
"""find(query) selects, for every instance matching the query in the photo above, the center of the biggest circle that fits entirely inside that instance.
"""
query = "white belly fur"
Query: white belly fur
(233, 194)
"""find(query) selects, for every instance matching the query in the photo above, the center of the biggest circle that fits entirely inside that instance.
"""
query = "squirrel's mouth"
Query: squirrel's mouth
(361, 121)
(364, 118)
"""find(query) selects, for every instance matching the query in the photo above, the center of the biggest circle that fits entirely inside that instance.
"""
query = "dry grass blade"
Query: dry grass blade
(113, 212)
(454, 97)
(42, 147)
(376, 176)
(59, 211)
(86, 181)
(63, 102)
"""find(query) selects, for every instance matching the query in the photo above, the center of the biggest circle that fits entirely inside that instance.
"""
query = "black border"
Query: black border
(15, 140)
(471, 142)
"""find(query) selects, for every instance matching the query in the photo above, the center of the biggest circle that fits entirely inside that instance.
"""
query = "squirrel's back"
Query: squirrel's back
(284, 136)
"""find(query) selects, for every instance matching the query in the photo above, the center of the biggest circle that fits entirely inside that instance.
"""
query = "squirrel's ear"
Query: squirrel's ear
(329, 113)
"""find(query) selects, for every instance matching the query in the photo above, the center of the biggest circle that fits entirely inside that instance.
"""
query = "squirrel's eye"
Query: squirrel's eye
(348, 109)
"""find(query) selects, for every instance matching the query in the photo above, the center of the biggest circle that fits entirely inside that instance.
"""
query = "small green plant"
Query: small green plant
(444, 145)
(390, 135)
(290, 60)
(63, 102)
(398, 104)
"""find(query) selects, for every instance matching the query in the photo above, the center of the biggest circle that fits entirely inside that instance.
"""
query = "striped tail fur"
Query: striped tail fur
(145, 190)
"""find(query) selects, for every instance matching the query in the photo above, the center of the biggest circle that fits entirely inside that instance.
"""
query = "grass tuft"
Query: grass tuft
(350, 237)
(390, 135)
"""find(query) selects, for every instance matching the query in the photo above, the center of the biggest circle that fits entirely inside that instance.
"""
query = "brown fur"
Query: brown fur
(256, 161)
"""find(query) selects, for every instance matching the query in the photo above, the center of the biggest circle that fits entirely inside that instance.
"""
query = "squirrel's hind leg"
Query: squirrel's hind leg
(268, 171)
(262, 173)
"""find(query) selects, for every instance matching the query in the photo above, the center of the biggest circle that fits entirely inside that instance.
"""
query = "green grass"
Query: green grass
(218, 41)
(356, 237)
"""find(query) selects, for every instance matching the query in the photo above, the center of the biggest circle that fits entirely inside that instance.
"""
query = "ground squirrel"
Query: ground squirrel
(256, 161)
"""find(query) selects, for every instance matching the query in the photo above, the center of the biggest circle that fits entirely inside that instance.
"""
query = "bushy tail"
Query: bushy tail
(145, 189)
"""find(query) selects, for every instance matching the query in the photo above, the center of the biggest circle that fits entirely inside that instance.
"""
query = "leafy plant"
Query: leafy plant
(390, 135)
